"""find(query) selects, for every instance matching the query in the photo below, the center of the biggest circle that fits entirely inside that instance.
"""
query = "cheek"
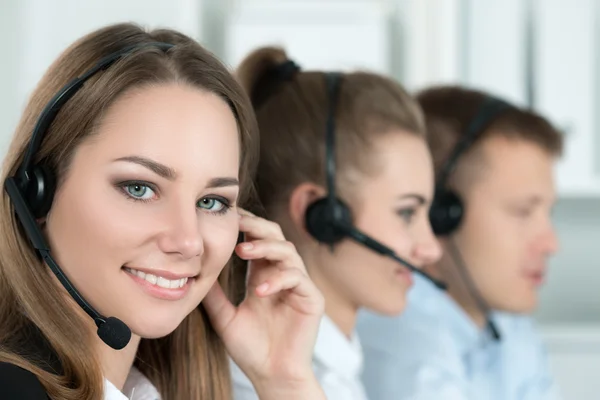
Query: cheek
(219, 235)
(370, 279)
(80, 223)
(387, 228)
(493, 249)
(94, 227)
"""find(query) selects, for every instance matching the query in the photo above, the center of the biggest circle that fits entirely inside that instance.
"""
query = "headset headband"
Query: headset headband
(488, 111)
(333, 83)
(56, 103)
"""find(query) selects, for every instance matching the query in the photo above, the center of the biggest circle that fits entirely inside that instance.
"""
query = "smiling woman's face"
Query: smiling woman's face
(145, 219)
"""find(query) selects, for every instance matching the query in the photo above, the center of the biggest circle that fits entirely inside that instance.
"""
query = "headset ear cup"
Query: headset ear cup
(40, 191)
(446, 212)
(323, 222)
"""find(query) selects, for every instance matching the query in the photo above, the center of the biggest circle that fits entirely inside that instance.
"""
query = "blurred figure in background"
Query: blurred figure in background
(492, 213)
(360, 136)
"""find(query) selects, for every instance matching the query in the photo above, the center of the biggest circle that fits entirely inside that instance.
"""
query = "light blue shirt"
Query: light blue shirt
(435, 351)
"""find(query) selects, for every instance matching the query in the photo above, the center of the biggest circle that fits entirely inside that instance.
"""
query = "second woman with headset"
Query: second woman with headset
(345, 170)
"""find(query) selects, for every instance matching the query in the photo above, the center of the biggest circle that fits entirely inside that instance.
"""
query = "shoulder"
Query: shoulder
(408, 355)
(18, 383)
(521, 328)
(416, 331)
(521, 339)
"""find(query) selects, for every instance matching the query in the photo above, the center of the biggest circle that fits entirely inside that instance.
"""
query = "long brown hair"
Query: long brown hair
(191, 362)
(292, 115)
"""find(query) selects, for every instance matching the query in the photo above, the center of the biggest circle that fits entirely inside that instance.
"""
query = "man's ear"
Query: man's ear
(301, 198)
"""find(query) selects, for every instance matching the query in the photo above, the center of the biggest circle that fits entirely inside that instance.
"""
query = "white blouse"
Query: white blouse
(337, 363)
(137, 387)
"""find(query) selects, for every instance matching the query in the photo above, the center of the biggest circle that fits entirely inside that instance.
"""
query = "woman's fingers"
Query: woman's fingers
(295, 282)
(280, 251)
(259, 228)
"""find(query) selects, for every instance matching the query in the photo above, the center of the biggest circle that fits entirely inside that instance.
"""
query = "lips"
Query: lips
(537, 277)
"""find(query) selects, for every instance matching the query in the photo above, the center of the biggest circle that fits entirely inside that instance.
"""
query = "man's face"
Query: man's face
(507, 233)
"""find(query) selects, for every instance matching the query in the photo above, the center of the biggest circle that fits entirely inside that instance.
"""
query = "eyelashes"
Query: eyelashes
(145, 192)
(208, 203)
(138, 190)
(407, 214)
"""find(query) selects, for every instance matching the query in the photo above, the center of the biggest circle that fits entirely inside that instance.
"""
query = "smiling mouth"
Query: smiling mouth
(158, 280)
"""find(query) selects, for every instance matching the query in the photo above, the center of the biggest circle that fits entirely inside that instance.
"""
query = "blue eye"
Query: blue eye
(213, 204)
(406, 214)
(139, 191)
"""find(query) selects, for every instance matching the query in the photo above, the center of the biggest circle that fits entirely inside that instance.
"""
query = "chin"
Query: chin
(389, 307)
(153, 327)
(526, 303)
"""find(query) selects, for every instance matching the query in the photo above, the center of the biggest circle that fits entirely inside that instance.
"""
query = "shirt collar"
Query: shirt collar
(137, 387)
(467, 336)
(336, 351)
(112, 393)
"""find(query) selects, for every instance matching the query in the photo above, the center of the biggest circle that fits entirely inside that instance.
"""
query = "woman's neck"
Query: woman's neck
(343, 316)
(338, 307)
(116, 364)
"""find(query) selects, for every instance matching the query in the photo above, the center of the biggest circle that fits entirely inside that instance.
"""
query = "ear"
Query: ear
(301, 198)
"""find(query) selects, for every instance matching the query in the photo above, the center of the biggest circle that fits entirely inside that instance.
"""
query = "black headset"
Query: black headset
(32, 188)
(447, 209)
(329, 219)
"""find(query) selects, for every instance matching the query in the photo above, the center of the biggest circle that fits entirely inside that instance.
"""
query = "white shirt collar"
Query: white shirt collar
(111, 392)
(336, 351)
(137, 387)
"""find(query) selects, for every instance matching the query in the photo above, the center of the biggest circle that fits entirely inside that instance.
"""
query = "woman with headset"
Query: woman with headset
(123, 186)
(345, 171)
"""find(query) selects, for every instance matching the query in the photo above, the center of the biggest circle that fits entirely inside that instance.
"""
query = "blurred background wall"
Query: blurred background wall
(543, 54)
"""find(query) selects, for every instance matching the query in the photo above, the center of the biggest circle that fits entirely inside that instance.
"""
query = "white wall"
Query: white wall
(40, 30)
(10, 16)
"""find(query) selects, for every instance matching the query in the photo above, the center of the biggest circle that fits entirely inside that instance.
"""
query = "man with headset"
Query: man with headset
(491, 213)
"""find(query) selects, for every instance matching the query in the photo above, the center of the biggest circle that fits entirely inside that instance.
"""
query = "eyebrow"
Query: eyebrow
(222, 182)
(170, 174)
(535, 199)
(156, 167)
(420, 199)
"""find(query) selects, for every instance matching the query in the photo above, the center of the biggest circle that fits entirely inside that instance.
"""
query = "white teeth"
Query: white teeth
(158, 280)
(162, 282)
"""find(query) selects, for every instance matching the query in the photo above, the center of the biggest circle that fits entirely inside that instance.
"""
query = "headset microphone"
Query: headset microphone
(329, 219)
(32, 189)
(380, 248)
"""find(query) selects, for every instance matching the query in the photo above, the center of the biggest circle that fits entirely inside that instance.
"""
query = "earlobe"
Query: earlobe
(300, 199)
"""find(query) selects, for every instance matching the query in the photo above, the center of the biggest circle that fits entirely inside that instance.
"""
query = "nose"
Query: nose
(428, 249)
(182, 233)
(548, 241)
